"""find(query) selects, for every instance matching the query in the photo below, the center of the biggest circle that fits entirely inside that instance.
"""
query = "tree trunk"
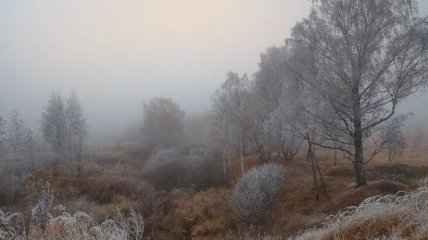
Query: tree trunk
(225, 170)
(287, 152)
(310, 156)
(390, 155)
(242, 156)
(263, 155)
(359, 168)
(360, 172)
(229, 161)
(323, 185)
(32, 162)
(79, 165)
(335, 157)
(79, 172)
(316, 170)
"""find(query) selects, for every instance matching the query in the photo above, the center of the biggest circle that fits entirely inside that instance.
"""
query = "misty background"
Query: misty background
(117, 54)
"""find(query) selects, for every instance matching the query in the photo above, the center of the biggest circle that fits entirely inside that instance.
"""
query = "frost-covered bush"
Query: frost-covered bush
(192, 167)
(40, 214)
(399, 216)
(12, 225)
(132, 226)
(67, 226)
(83, 226)
(256, 192)
(203, 168)
(165, 169)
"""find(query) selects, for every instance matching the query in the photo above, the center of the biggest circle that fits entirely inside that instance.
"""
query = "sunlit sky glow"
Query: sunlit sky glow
(116, 54)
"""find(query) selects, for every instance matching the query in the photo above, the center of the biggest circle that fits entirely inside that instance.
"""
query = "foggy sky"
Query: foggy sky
(117, 54)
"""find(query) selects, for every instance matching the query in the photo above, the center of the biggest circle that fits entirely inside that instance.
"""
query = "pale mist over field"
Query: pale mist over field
(117, 54)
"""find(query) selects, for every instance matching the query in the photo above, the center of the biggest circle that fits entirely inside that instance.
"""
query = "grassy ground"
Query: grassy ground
(113, 180)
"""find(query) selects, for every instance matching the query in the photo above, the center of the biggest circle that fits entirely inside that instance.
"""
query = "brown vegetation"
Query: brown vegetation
(115, 181)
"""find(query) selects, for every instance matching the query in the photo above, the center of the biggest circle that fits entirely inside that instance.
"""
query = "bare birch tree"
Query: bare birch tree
(15, 133)
(266, 94)
(363, 58)
(54, 125)
(162, 123)
(64, 128)
(230, 117)
(31, 147)
(283, 123)
(76, 131)
(393, 137)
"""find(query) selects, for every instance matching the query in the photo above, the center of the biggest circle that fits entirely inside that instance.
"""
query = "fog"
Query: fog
(117, 54)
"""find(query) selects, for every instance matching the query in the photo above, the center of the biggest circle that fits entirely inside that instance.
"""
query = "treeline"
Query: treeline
(63, 138)
(335, 84)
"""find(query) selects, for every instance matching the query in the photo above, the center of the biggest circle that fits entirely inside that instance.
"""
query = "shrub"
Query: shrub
(13, 172)
(192, 167)
(204, 169)
(12, 226)
(40, 214)
(69, 226)
(165, 169)
(256, 192)
(102, 189)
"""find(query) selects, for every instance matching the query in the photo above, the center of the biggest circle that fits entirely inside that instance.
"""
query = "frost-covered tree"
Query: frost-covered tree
(15, 133)
(271, 77)
(31, 147)
(418, 134)
(76, 131)
(162, 123)
(360, 58)
(273, 112)
(219, 143)
(40, 214)
(264, 96)
(393, 137)
(64, 128)
(12, 225)
(231, 121)
(54, 125)
(282, 124)
(14, 172)
(256, 192)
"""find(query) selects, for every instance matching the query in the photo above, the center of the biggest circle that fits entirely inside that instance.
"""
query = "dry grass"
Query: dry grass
(114, 180)
(399, 216)
(201, 214)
